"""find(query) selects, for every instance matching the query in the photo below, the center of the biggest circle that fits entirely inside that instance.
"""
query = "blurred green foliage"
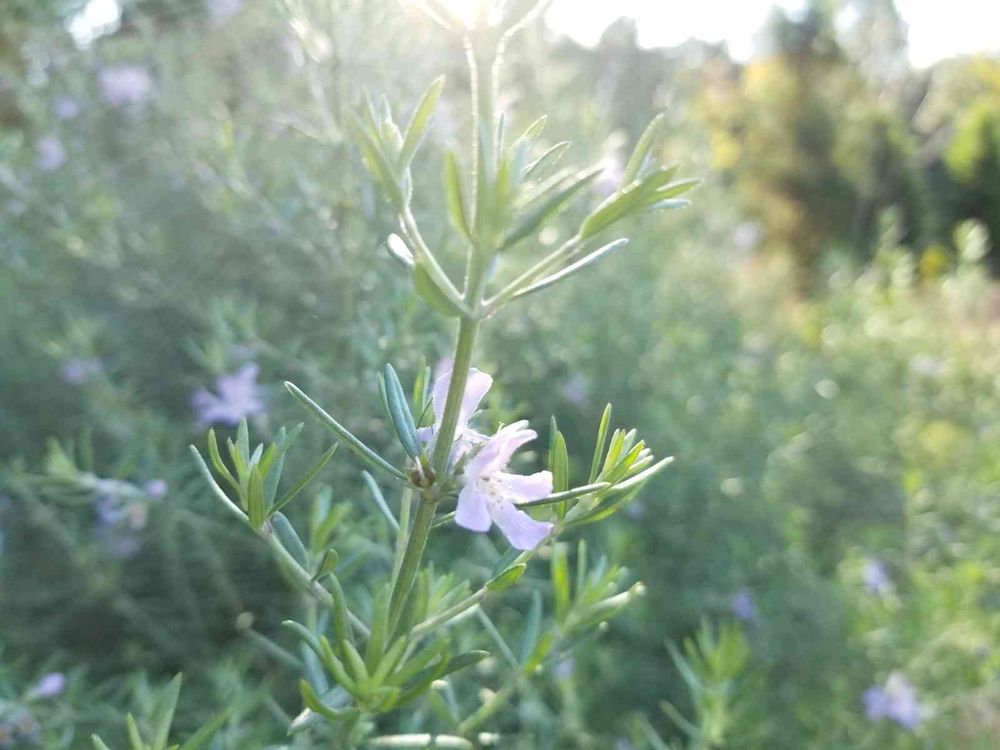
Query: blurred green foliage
(225, 219)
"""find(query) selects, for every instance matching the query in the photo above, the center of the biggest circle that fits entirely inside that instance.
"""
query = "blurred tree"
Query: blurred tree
(973, 155)
(814, 154)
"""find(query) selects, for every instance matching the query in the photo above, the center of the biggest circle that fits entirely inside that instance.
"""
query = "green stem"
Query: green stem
(415, 544)
(483, 64)
(494, 704)
(467, 330)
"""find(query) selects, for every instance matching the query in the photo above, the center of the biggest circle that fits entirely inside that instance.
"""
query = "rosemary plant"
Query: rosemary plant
(373, 659)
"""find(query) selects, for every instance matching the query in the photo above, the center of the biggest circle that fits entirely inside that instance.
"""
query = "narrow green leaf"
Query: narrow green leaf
(389, 661)
(377, 163)
(273, 463)
(642, 149)
(243, 441)
(312, 700)
(532, 627)
(455, 196)
(531, 133)
(602, 436)
(290, 539)
(572, 494)
(559, 464)
(328, 564)
(418, 122)
(207, 731)
(166, 713)
(336, 667)
(421, 389)
(353, 443)
(560, 581)
(305, 480)
(134, 738)
(380, 626)
(379, 499)
(341, 621)
(98, 743)
(506, 579)
(614, 451)
(549, 204)
(354, 662)
(304, 634)
(432, 294)
(399, 411)
(542, 649)
(218, 463)
(581, 566)
(418, 662)
(546, 160)
(255, 499)
(572, 268)
(464, 660)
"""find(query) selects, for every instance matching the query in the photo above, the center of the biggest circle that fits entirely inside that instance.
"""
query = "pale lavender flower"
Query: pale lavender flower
(490, 495)
(236, 397)
(155, 489)
(65, 108)
(125, 84)
(49, 686)
(51, 154)
(876, 577)
(224, 8)
(119, 524)
(896, 700)
(79, 370)
(743, 606)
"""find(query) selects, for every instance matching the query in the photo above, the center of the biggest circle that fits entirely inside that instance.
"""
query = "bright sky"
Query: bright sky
(937, 28)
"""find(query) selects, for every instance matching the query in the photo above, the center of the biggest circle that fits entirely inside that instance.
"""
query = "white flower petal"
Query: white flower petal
(476, 387)
(524, 489)
(521, 530)
(497, 452)
(472, 512)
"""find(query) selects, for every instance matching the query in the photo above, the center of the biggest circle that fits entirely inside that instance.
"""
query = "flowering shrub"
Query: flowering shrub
(214, 233)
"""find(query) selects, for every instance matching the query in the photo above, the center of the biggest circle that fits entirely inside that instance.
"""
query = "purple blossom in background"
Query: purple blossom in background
(17, 725)
(125, 84)
(876, 577)
(609, 180)
(896, 700)
(746, 236)
(236, 396)
(49, 686)
(119, 523)
(50, 154)
(65, 108)
(224, 8)
(564, 668)
(79, 370)
(743, 606)
(576, 389)
(155, 489)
